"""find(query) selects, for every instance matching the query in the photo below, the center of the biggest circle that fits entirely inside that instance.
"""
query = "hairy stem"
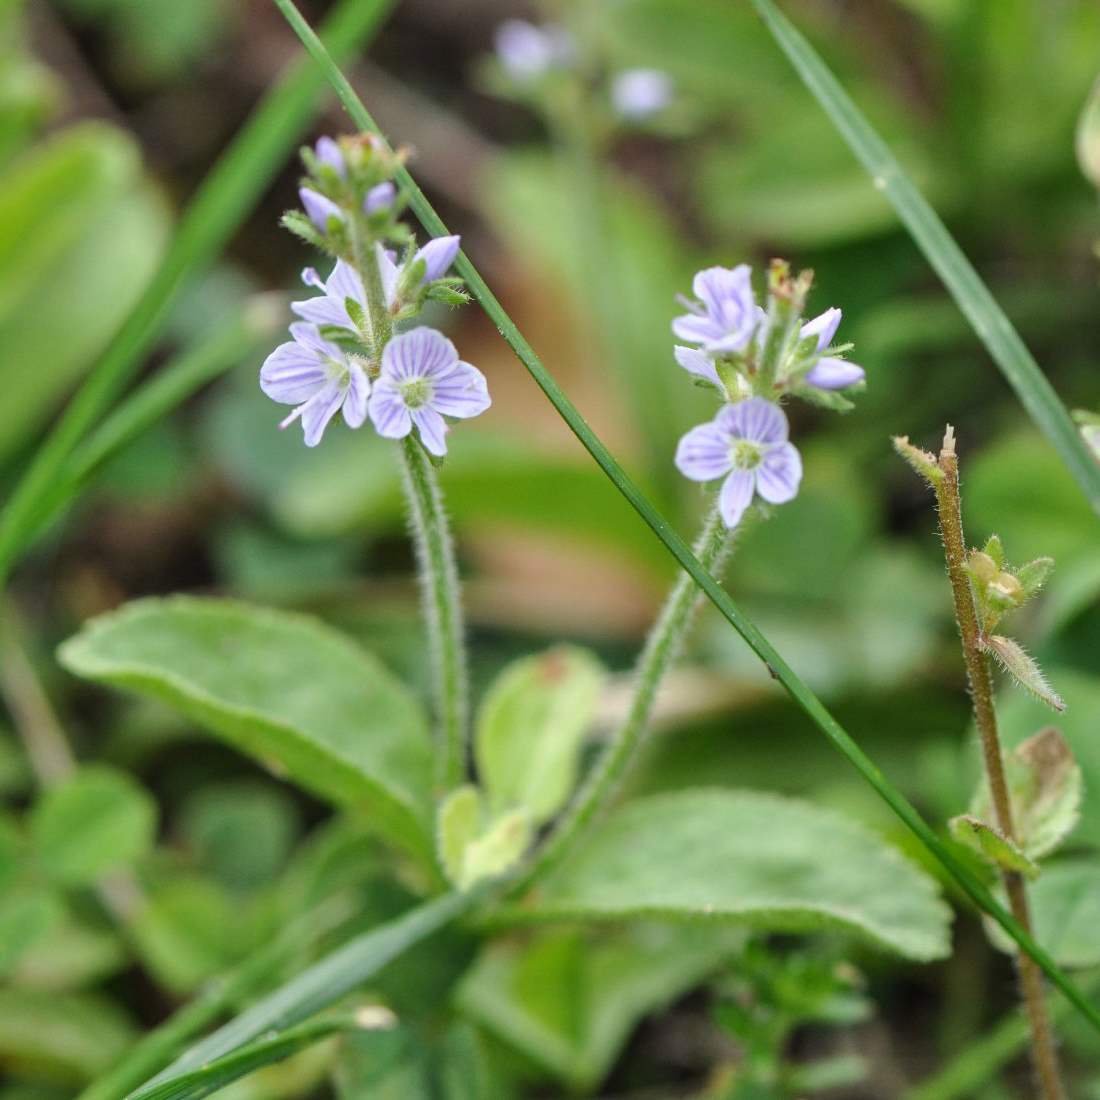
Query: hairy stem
(442, 606)
(661, 648)
(434, 554)
(1043, 1050)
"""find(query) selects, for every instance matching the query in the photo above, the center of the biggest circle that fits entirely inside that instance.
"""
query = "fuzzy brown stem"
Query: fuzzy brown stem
(1043, 1050)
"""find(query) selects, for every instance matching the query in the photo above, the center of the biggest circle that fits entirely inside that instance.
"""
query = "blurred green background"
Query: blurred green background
(112, 111)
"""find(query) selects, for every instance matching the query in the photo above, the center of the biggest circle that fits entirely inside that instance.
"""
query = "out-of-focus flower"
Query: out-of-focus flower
(725, 314)
(746, 444)
(528, 52)
(830, 372)
(319, 208)
(638, 93)
(319, 378)
(422, 380)
(328, 152)
(379, 197)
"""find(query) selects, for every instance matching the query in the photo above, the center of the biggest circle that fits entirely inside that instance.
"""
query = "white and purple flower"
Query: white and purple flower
(528, 52)
(746, 444)
(725, 315)
(637, 94)
(829, 372)
(319, 378)
(422, 380)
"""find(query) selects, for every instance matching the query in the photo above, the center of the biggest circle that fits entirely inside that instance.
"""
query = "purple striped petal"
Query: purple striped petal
(387, 409)
(779, 474)
(823, 326)
(355, 400)
(319, 410)
(438, 255)
(704, 453)
(292, 374)
(433, 429)
(323, 311)
(735, 496)
(755, 420)
(462, 392)
(308, 336)
(829, 373)
(695, 329)
(420, 353)
(695, 362)
(344, 282)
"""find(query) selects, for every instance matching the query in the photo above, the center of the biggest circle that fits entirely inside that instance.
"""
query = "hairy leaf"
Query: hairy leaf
(991, 844)
(749, 858)
(282, 687)
(1015, 660)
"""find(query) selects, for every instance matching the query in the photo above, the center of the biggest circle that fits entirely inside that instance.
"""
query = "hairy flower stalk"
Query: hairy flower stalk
(943, 476)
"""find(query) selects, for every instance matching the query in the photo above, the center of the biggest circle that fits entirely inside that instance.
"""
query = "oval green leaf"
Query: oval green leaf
(749, 858)
(283, 688)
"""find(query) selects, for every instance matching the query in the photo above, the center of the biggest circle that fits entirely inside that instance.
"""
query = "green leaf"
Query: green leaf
(282, 687)
(1065, 909)
(570, 999)
(989, 321)
(991, 844)
(27, 914)
(1044, 783)
(96, 821)
(752, 859)
(1016, 661)
(472, 848)
(530, 729)
(459, 822)
(67, 1038)
(90, 230)
(73, 956)
(1088, 137)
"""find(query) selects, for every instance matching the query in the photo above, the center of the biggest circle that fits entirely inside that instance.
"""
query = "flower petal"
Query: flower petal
(756, 420)
(355, 400)
(704, 453)
(388, 412)
(695, 329)
(438, 255)
(420, 353)
(323, 310)
(292, 374)
(308, 336)
(735, 496)
(319, 208)
(829, 373)
(319, 410)
(823, 326)
(344, 282)
(726, 293)
(462, 392)
(695, 362)
(433, 429)
(779, 474)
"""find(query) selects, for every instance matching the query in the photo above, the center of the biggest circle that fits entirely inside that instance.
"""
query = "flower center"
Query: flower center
(417, 392)
(746, 455)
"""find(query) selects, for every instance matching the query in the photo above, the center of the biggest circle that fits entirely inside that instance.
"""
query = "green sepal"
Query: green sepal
(834, 400)
(1034, 575)
(358, 315)
(995, 549)
(923, 462)
(1023, 668)
(991, 844)
(298, 224)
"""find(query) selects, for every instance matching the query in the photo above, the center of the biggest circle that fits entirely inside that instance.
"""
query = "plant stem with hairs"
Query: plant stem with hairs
(948, 504)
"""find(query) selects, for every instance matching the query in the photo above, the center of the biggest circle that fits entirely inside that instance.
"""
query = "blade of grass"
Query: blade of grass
(222, 1071)
(321, 984)
(209, 358)
(679, 549)
(225, 197)
(973, 297)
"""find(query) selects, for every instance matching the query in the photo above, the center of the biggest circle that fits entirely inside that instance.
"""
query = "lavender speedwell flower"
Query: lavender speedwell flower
(747, 444)
(528, 52)
(829, 373)
(638, 93)
(422, 381)
(319, 378)
(725, 315)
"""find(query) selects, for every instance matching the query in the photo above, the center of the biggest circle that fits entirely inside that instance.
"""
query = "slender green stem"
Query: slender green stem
(442, 606)
(225, 197)
(1043, 1049)
(661, 648)
(814, 709)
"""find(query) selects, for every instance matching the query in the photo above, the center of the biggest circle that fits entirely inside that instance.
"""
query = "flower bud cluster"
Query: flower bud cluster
(999, 588)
